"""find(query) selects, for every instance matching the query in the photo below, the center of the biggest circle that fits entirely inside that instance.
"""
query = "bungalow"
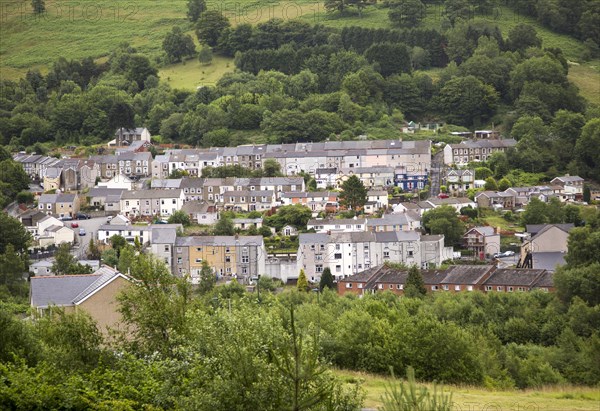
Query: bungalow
(95, 294)
(247, 223)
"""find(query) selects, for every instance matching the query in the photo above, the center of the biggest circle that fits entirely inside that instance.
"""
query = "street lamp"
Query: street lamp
(258, 287)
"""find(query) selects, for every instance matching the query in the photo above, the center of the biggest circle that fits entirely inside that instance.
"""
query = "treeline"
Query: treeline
(579, 18)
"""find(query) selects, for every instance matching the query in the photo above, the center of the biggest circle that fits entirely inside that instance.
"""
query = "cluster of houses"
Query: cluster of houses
(565, 189)
(131, 183)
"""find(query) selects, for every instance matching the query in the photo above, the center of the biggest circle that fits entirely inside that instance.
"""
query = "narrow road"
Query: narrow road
(437, 167)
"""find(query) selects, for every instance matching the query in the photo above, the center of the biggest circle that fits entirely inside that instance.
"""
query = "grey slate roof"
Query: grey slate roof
(219, 240)
(59, 290)
(535, 229)
(313, 238)
(466, 274)
(485, 231)
(548, 261)
(514, 276)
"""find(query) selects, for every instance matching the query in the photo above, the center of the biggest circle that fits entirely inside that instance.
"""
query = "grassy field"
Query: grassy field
(90, 28)
(192, 74)
(567, 398)
(587, 78)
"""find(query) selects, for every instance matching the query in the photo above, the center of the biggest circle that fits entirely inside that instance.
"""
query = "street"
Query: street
(91, 229)
(437, 166)
(506, 262)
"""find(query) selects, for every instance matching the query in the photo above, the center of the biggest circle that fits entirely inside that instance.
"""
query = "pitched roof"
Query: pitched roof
(514, 276)
(485, 231)
(221, 240)
(151, 194)
(535, 229)
(466, 274)
(59, 290)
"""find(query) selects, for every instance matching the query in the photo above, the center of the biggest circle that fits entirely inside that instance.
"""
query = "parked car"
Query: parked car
(443, 195)
(108, 219)
(82, 231)
(66, 218)
(74, 225)
(504, 254)
(82, 216)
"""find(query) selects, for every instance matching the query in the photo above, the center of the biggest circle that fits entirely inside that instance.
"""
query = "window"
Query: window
(179, 259)
(166, 248)
(337, 256)
(457, 288)
(319, 268)
(445, 288)
(499, 288)
(227, 249)
(198, 260)
(434, 288)
(174, 201)
(318, 257)
(322, 247)
(469, 288)
(178, 248)
(380, 286)
(510, 289)
(399, 286)
(337, 247)
(521, 289)
(245, 259)
(227, 259)
(386, 254)
(348, 285)
(338, 268)
(488, 288)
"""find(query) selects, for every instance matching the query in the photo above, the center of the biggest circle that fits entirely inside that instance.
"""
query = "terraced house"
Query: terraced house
(151, 202)
(239, 256)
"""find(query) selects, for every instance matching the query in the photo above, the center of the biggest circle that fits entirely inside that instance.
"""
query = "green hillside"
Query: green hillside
(93, 29)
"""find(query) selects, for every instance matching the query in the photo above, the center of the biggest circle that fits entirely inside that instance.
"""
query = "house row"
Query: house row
(128, 163)
(388, 222)
(474, 151)
(459, 278)
(518, 197)
(348, 253)
(226, 255)
(422, 207)
(35, 165)
(300, 157)
(374, 176)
